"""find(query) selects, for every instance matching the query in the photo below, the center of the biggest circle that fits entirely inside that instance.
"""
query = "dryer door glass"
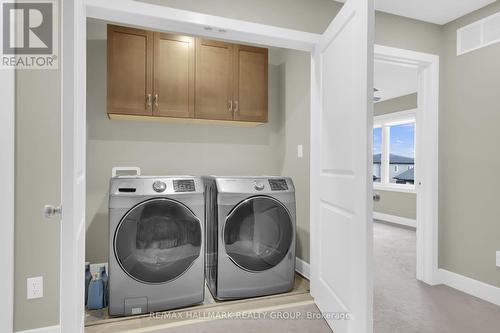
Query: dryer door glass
(258, 233)
(157, 240)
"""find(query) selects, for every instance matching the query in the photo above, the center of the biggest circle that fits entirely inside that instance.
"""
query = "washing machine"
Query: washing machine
(250, 236)
(156, 243)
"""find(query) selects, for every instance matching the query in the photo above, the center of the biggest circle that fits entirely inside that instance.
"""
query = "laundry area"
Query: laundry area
(197, 194)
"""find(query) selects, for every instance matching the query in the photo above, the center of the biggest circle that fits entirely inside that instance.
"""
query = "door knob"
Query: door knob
(49, 211)
(376, 197)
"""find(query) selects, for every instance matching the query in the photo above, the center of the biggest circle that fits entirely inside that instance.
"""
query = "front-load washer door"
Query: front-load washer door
(258, 233)
(157, 240)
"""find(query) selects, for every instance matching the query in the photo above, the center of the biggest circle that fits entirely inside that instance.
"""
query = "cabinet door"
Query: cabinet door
(173, 76)
(250, 83)
(214, 80)
(130, 69)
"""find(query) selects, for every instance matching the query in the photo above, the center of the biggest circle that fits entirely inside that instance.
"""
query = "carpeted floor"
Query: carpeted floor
(404, 305)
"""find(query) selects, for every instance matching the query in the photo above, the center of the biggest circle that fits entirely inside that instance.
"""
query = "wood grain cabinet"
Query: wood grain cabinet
(130, 71)
(173, 89)
(250, 83)
(214, 80)
(171, 76)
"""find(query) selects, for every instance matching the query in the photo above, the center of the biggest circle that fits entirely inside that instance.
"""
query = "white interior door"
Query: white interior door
(341, 187)
(73, 166)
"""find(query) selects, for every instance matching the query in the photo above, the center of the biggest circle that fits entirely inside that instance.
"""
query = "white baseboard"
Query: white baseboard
(302, 267)
(48, 329)
(395, 219)
(470, 286)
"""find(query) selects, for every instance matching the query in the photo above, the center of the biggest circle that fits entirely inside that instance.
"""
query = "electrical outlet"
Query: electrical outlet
(498, 258)
(300, 151)
(34, 287)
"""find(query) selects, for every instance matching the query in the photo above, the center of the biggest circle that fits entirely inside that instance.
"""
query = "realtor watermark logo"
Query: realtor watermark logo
(29, 36)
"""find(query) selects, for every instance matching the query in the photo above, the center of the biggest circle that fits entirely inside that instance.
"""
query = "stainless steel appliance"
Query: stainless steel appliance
(250, 235)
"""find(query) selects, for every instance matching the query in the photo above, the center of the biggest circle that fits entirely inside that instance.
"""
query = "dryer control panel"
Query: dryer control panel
(184, 185)
(278, 184)
(155, 185)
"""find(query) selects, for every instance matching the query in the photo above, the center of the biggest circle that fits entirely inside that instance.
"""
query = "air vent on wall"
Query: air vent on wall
(478, 34)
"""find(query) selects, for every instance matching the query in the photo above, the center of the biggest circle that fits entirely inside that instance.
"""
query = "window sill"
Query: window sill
(395, 188)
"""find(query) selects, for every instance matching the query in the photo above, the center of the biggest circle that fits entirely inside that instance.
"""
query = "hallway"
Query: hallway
(404, 305)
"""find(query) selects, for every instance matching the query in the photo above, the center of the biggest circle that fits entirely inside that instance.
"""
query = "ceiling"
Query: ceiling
(434, 11)
(394, 80)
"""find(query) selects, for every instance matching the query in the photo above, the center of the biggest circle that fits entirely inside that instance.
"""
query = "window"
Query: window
(394, 150)
(377, 152)
(402, 153)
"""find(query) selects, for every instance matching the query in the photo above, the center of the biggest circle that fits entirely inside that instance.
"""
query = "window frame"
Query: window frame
(385, 122)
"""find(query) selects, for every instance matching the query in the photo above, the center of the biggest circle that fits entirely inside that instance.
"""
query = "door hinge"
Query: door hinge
(49, 211)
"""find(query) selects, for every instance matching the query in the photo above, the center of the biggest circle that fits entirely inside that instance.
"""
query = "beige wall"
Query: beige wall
(163, 148)
(405, 33)
(400, 204)
(305, 15)
(402, 103)
(392, 202)
(295, 102)
(37, 182)
(469, 210)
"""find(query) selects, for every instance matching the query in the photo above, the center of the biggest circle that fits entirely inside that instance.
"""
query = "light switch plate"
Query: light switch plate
(300, 151)
(34, 287)
(498, 258)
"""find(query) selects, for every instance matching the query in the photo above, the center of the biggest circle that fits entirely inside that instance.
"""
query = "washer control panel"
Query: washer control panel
(159, 186)
(278, 185)
(184, 185)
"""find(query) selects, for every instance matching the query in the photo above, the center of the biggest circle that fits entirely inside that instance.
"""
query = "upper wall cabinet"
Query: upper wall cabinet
(250, 83)
(130, 71)
(214, 80)
(172, 76)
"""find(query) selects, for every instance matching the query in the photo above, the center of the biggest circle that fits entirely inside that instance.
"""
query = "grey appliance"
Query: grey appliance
(156, 243)
(250, 235)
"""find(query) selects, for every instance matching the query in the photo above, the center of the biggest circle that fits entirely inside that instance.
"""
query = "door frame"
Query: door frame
(426, 175)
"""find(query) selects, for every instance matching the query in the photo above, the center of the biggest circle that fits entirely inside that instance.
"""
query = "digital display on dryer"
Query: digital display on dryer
(278, 184)
(184, 185)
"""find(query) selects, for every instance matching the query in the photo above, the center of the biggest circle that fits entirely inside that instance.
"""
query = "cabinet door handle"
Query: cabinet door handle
(156, 101)
(148, 101)
(236, 107)
(230, 105)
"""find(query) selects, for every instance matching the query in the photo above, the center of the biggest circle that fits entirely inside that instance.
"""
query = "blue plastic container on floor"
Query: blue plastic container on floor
(96, 293)
(88, 277)
(104, 278)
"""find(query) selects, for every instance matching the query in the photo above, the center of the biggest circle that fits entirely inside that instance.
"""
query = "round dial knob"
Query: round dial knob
(159, 186)
(258, 186)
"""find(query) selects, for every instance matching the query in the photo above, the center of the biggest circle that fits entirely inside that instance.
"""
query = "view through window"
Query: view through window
(377, 153)
(402, 153)
(398, 139)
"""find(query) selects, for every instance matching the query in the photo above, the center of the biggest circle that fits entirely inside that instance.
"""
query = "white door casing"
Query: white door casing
(426, 152)
(341, 160)
(73, 166)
